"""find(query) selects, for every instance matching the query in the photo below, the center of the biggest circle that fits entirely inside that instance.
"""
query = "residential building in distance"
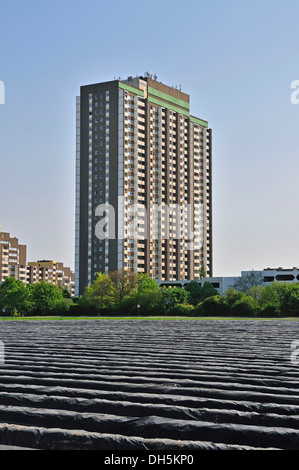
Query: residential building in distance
(52, 272)
(12, 258)
(141, 152)
(13, 263)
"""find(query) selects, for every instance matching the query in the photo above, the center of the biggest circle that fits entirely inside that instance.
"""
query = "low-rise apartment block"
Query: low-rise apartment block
(52, 272)
(12, 257)
(13, 263)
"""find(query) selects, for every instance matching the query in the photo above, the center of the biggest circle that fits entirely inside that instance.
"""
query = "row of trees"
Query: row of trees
(122, 293)
(41, 298)
(274, 300)
(117, 293)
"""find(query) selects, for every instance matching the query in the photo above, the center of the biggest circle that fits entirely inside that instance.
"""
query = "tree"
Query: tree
(185, 310)
(270, 299)
(48, 299)
(81, 306)
(213, 306)
(198, 293)
(202, 272)
(194, 289)
(145, 302)
(145, 299)
(123, 284)
(241, 304)
(256, 292)
(174, 296)
(244, 307)
(147, 284)
(65, 292)
(248, 280)
(282, 298)
(99, 293)
(207, 290)
(289, 305)
(14, 297)
(232, 295)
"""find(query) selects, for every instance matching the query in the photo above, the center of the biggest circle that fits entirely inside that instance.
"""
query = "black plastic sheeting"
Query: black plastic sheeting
(149, 384)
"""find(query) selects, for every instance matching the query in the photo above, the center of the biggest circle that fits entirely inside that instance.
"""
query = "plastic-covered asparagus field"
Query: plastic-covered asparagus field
(149, 384)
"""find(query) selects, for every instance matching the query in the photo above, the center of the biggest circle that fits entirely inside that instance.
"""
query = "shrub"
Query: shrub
(245, 307)
(283, 296)
(194, 289)
(207, 291)
(174, 296)
(183, 310)
(151, 303)
(269, 311)
(212, 306)
(79, 310)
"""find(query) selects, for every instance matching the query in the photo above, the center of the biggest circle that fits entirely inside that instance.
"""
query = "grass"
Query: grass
(51, 318)
(91, 318)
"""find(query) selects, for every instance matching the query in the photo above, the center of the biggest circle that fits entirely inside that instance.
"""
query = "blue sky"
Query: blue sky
(235, 59)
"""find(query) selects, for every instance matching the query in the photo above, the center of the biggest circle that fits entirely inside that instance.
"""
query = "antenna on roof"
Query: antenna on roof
(148, 75)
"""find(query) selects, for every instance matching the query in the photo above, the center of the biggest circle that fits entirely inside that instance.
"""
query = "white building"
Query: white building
(220, 283)
(223, 283)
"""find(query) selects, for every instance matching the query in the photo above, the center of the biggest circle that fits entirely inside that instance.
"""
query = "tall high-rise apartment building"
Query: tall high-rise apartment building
(143, 187)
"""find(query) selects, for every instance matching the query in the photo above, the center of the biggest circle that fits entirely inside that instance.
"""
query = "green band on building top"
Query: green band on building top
(166, 97)
(164, 104)
(131, 89)
(199, 121)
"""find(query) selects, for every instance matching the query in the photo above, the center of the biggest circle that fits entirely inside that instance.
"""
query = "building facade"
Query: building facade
(280, 274)
(12, 258)
(13, 263)
(53, 272)
(144, 182)
(222, 283)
